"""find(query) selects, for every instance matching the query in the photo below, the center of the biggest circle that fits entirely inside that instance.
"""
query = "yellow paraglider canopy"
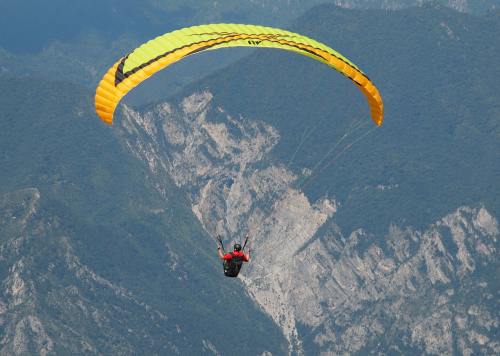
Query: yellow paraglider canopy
(171, 47)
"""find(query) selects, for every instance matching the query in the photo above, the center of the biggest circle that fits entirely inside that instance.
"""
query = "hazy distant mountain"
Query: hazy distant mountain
(79, 40)
(29, 25)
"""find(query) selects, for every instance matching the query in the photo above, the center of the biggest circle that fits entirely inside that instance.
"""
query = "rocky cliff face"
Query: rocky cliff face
(45, 280)
(410, 290)
(459, 5)
(429, 290)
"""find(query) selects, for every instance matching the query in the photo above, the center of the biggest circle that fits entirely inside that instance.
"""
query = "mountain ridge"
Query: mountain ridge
(101, 251)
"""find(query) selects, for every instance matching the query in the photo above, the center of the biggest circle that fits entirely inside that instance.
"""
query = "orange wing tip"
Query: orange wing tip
(377, 116)
(105, 116)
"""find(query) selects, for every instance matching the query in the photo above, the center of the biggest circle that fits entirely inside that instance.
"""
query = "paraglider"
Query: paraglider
(152, 56)
(159, 53)
(233, 261)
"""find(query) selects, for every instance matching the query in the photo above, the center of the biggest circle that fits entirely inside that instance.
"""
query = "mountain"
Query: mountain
(26, 27)
(78, 41)
(29, 26)
(330, 292)
(389, 245)
(392, 247)
(92, 258)
(437, 148)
